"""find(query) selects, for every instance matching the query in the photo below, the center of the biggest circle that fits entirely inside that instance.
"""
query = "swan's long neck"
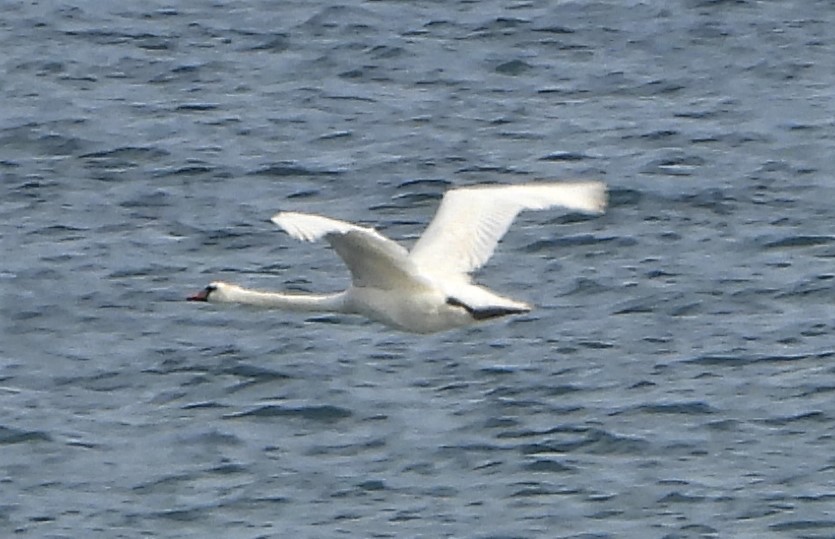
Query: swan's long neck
(290, 302)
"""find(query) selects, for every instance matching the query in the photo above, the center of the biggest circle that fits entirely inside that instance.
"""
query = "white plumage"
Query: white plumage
(429, 288)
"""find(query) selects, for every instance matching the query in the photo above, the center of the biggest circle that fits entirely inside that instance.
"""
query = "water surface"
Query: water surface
(676, 379)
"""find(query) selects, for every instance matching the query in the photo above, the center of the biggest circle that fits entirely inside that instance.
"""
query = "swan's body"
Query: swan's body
(427, 289)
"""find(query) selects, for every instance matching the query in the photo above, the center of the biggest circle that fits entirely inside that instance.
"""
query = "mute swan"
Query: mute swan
(427, 289)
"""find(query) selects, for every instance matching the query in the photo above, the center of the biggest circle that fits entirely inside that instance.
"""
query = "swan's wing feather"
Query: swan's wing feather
(309, 227)
(471, 221)
(373, 260)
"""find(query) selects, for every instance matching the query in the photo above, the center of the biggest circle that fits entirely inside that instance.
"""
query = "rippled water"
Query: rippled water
(676, 380)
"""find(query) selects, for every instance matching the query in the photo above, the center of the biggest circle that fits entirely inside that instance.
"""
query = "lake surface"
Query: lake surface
(676, 380)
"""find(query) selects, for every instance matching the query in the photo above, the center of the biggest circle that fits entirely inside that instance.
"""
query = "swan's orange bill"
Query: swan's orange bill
(203, 295)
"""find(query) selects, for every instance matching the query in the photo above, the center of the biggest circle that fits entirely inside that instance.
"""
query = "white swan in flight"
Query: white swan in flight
(429, 288)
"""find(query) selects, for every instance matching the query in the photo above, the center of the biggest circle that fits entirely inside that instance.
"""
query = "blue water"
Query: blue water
(676, 379)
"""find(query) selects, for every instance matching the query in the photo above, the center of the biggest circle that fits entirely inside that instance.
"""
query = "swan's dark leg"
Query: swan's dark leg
(485, 313)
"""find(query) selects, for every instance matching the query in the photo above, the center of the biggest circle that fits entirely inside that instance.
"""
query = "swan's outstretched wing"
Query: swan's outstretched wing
(373, 260)
(471, 221)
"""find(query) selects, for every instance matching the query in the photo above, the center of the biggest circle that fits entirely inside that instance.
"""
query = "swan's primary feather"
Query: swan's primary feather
(471, 221)
(373, 260)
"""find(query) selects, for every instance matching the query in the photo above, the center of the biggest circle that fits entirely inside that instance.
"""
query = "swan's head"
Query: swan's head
(217, 291)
